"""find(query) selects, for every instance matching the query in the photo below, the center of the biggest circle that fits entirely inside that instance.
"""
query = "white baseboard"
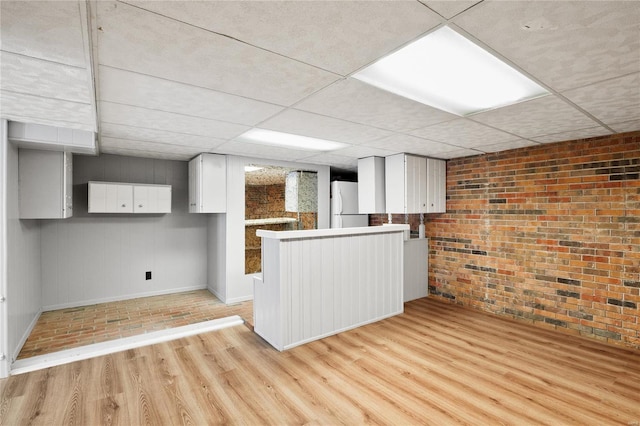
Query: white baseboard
(24, 338)
(238, 299)
(118, 298)
(99, 349)
(217, 294)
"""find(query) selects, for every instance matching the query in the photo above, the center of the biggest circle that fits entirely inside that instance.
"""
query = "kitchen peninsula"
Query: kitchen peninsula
(320, 282)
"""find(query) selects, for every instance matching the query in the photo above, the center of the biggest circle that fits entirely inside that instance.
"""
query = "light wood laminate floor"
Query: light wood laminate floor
(435, 364)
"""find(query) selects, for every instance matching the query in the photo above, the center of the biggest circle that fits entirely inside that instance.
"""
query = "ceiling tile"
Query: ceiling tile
(337, 36)
(572, 135)
(177, 51)
(319, 126)
(565, 44)
(161, 120)
(610, 101)
(47, 79)
(463, 133)
(459, 153)
(50, 30)
(411, 144)
(348, 163)
(538, 117)
(361, 151)
(48, 111)
(627, 126)
(146, 154)
(449, 8)
(107, 143)
(268, 152)
(504, 146)
(353, 100)
(117, 131)
(155, 93)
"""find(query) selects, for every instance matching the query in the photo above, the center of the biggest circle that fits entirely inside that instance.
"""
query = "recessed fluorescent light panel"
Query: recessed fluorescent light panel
(447, 71)
(269, 137)
(250, 169)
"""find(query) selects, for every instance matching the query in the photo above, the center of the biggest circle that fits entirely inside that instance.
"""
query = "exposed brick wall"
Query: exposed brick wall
(547, 234)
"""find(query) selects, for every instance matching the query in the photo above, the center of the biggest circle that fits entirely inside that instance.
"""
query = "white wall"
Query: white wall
(24, 292)
(239, 286)
(92, 258)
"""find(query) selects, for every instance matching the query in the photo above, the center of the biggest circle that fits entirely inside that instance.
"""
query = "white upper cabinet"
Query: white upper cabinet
(436, 186)
(405, 184)
(415, 184)
(114, 197)
(45, 184)
(208, 184)
(371, 192)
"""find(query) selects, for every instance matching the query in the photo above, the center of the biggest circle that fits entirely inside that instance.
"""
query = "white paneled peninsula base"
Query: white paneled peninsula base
(320, 282)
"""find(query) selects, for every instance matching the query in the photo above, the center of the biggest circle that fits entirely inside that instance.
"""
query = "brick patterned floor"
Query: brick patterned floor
(73, 327)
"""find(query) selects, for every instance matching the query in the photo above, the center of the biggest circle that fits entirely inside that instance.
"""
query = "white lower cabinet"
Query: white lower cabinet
(114, 197)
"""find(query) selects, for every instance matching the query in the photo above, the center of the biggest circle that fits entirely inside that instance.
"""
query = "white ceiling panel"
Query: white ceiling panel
(362, 151)
(611, 101)
(505, 146)
(118, 131)
(52, 112)
(574, 134)
(161, 120)
(627, 126)
(130, 88)
(336, 36)
(565, 44)
(146, 153)
(262, 151)
(538, 117)
(147, 43)
(411, 144)
(107, 143)
(463, 152)
(449, 8)
(348, 163)
(463, 133)
(353, 100)
(50, 30)
(319, 126)
(42, 78)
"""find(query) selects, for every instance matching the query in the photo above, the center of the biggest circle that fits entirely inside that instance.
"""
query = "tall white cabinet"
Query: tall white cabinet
(45, 184)
(208, 184)
(406, 184)
(371, 192)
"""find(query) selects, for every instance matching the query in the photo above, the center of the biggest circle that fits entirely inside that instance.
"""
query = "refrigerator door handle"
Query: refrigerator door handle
(339, 197)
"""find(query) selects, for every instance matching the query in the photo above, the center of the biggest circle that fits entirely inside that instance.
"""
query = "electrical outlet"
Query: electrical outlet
(148, 275)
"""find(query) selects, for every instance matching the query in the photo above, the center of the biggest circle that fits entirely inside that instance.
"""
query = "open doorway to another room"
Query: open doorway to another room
(277, 199)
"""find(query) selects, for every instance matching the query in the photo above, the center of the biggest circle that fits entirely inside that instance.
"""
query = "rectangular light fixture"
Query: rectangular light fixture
(447, 71)
(270, 137)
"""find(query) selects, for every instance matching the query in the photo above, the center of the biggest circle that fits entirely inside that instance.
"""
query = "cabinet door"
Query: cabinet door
(195, 172)
(415, 184)
(45, 184)
(213, 184)
(152, 199)
(68, 185)
(437, 186)
(110, 198)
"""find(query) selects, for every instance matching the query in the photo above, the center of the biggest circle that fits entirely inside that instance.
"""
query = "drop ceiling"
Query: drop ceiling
(172, 79)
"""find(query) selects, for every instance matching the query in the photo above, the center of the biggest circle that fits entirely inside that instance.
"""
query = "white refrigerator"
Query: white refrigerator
(344, 206)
